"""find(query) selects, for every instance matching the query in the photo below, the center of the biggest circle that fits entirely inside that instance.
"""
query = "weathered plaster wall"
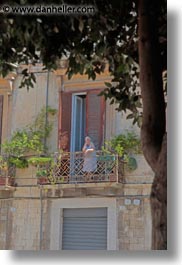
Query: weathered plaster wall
(5, 90)
(26, 105)
(29, 103)
(116, 122)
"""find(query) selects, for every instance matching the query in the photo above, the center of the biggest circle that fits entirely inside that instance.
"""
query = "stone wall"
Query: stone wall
(25, 224)
(6, 92)
(134, 223)
(26, 217)
(30, 214)
(5, 220)
(26, 105)
(115, 122)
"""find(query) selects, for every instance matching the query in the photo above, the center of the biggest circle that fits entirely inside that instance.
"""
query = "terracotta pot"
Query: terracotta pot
(42, 180)
(112, 178)
(11, 181)
(2, 181)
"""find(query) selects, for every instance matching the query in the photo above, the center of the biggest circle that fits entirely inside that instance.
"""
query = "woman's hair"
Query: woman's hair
(87, 137)
(91, 143)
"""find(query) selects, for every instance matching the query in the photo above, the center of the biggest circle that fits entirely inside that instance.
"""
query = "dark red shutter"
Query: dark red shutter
(95, 115)
(65, 103)
(1, 115)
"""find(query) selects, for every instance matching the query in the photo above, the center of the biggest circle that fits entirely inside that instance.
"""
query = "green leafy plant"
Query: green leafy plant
(40, 128)
(3, 164)
(22, 142)
(44, 167)
(29, 139)
(40, 160)
(7, 173)
(19, 162)
(41, 173)
(125, 145)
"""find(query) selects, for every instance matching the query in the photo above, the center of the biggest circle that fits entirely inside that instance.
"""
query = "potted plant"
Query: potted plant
(41, 175)
(43, 165)
(29, 141)
(126, 146)
(6, 173)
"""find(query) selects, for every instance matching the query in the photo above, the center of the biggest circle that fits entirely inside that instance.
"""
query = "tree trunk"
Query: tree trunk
(159, 200)
(153, 135)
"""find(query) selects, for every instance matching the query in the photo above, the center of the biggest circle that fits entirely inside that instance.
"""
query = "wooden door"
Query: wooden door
(95, 113)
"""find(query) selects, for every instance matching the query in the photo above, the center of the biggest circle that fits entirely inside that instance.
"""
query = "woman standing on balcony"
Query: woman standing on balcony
(90, 160)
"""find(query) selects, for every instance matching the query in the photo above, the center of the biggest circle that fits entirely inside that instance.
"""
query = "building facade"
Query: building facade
(101, 215)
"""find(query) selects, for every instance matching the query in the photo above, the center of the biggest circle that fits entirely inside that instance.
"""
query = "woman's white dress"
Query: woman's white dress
(90, 160)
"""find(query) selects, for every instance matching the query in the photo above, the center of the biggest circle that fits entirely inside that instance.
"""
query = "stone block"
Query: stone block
(139, 232)
(124, 246)
(3, 218)
(136, 246)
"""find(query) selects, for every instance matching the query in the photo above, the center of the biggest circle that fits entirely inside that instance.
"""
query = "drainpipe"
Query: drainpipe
(46, 106)
(62, 83)
(61, 89)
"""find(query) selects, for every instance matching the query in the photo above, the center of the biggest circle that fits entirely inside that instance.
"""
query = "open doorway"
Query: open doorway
(78, 121)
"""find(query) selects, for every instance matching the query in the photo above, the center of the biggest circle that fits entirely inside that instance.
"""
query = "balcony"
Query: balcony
(67, 168)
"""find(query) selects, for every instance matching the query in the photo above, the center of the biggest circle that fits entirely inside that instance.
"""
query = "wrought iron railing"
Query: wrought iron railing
(68, 168)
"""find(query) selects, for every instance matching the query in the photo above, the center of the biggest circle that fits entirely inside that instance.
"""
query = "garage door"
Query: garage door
(84, 229)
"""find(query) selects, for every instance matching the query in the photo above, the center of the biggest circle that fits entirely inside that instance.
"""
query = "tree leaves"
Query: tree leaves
(90, 42)
(28, 80)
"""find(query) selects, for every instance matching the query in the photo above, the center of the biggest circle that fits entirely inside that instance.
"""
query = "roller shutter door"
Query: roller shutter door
(84, 229)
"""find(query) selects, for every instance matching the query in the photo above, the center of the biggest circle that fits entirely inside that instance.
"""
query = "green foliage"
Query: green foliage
(23, 142)
(28, 79)
(19, 162)
(29, 139)
(124, 145)
(131, 163)
(44, 165)
(41, 173)
(90, 43)
(40, 160)
(39, 129)
(3, 164)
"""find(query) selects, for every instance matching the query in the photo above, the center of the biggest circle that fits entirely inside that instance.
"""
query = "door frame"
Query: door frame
(56, 228)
